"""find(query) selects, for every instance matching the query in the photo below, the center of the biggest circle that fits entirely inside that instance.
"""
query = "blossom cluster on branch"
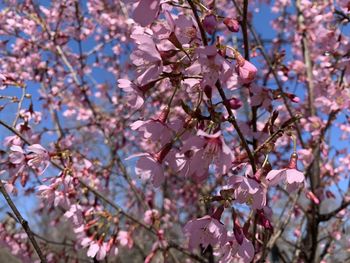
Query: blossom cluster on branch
(172, 131)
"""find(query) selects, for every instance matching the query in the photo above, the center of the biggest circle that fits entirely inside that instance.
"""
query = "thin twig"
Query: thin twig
(281, 130)
(24, 89)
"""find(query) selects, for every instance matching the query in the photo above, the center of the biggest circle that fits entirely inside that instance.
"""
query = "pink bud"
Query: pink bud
(149, 258)
(235, 103)
(293, 97)
(164, 114)
(210, 23)
(263, 220)
(231, 24)
(237, 231)
(310, 195)
(259, 173)
(245, 70)
(297, 233)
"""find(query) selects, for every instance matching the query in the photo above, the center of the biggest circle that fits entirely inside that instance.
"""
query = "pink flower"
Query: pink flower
(134, 95)
(124, 238)
(182, 30)
(155, 129)
(207, 230)
(249, 191)
(17, 157)
(17, 154)
(188, 164)
(98, 249)
(205, 149)
(149, 166)
(291, 175)
(52, 196)
(150, 216)
(146, 11)
(212, 66)
(245, 70)
(47, 193)
(234, 250)
(146, 57)
(75, 213)
(38, 158)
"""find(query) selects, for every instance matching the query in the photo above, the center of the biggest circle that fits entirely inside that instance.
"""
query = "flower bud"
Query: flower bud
(164, 114)
(263, 220)
(235, 103)
(231, 24)
(237, 231)
(311, 196)
(293, 97)
(245, 70)
(210, 23)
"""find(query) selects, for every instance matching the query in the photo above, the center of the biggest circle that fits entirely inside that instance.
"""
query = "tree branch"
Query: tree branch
(23, 222)
(328, 216)
(273, 70)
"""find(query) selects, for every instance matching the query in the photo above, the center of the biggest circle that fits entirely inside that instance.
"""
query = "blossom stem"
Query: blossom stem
(266, 160)
(294, 143)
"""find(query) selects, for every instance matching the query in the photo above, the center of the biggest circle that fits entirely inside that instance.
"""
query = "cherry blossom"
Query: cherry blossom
(207, 230)
(38, 157)
(291, 175)
(124, 122)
